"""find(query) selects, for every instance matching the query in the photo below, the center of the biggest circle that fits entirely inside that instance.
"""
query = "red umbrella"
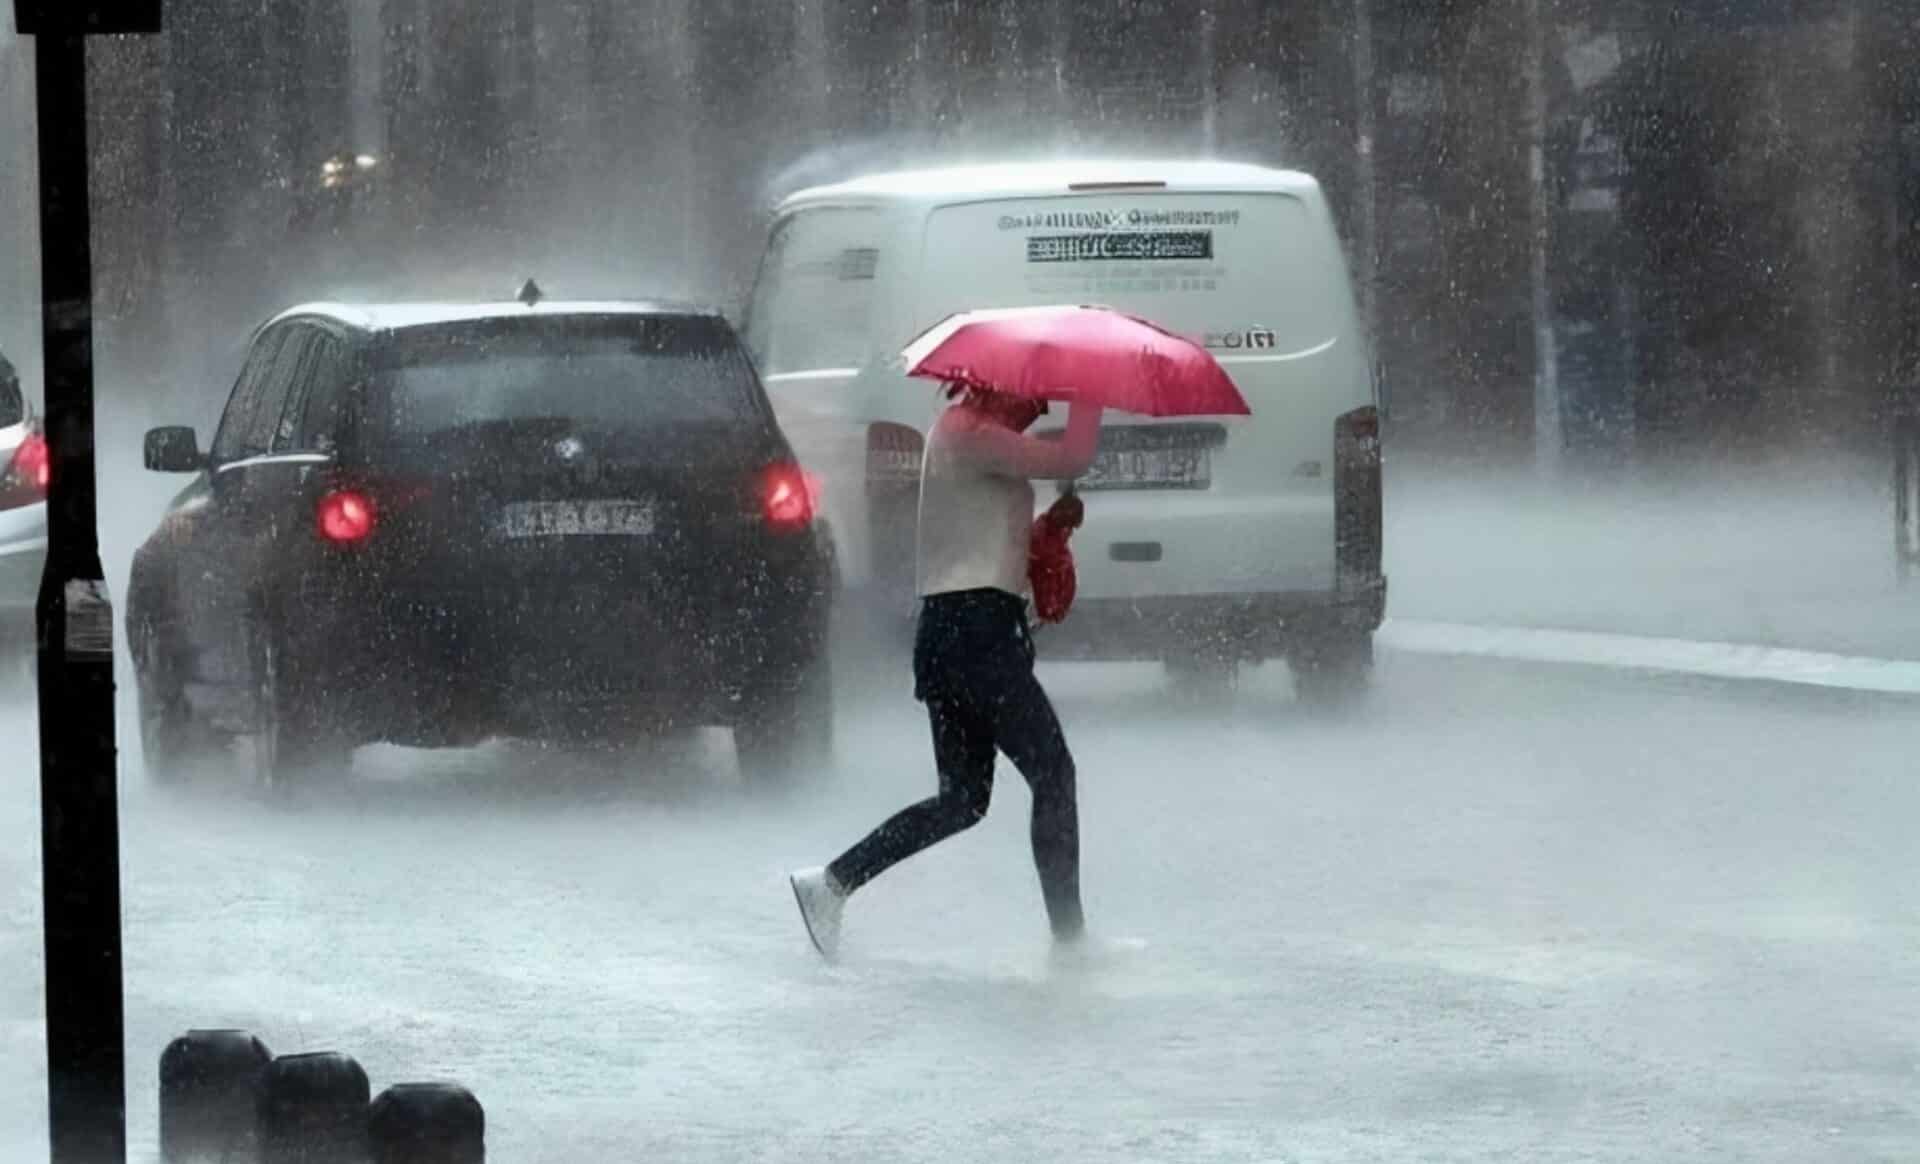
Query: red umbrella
(1094, 354)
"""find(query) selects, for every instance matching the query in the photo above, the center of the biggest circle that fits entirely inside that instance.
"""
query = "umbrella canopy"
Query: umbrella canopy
(1092, 354)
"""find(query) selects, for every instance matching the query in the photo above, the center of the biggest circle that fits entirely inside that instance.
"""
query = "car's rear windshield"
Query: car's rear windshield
(612, 372)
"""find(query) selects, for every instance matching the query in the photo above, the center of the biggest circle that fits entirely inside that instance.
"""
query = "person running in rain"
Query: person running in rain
(973, 655)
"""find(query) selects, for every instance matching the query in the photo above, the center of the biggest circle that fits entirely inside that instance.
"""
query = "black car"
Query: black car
(431, 525)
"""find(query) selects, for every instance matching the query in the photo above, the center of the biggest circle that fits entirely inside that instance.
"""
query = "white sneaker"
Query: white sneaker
(821, 900)
(1088, 952)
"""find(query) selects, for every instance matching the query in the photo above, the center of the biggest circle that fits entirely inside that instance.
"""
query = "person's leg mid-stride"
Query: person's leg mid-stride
(963, 751)
(1028, 731)
(974, 669)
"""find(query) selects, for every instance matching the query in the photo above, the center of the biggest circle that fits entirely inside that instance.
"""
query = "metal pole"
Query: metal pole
(1365, 166)
(1059, 45)
(1210, 83)
(1546, 362)
(79, 839)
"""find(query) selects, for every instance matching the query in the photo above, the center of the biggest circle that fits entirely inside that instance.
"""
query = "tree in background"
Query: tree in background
(630, 148)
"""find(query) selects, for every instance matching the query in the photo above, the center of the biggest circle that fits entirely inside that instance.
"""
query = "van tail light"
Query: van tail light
(345, 517)
(1362, 424)
(1356, 498)
(789, 497)
(28, 474)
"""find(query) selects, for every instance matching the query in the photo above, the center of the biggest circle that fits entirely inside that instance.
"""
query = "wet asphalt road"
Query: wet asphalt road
(1508, 912)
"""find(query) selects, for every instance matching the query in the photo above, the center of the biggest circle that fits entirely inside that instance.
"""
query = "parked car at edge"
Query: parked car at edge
(24, 470)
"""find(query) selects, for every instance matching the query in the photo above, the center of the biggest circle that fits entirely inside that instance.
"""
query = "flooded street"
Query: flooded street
(1511, 910)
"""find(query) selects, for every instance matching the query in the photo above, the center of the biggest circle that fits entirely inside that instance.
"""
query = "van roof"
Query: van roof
(1040, 179)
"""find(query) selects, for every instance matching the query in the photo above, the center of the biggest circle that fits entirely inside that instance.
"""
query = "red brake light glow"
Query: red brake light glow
(33, 463)
(788, 495)
(345, 516)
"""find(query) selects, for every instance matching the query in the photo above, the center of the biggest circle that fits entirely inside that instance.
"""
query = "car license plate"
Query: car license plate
(1169, 467)
(542, 519)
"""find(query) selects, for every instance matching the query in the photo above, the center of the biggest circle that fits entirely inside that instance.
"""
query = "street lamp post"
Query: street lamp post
(1548, 433)
(79, 810)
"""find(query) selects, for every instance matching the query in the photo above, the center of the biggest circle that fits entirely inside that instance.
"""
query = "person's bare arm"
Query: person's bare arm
(1010, 454)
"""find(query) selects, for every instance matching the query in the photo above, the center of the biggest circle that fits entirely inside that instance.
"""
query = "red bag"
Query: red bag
(1050, 561)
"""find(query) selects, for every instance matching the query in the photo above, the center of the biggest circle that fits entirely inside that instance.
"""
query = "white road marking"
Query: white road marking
(1634, 652)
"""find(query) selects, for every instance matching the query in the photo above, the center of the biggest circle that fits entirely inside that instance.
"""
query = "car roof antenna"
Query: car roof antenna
(529, 293)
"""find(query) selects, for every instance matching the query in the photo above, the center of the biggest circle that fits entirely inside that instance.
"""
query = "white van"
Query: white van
(1209, 542)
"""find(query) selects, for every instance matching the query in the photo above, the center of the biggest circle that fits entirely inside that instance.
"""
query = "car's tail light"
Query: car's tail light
(788, 497)
(345, 516)
(33, 461)
(29, 471)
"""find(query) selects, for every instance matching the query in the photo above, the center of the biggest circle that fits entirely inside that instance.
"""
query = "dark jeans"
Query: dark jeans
(973, 668)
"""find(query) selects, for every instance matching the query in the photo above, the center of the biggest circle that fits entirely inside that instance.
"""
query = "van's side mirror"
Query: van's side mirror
(174, 449)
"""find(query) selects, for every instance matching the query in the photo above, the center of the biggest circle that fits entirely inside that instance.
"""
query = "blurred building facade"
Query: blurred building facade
(1725, 205)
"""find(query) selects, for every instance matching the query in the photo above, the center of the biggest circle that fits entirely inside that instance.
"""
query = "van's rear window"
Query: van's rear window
(618, 372)
(813, 305)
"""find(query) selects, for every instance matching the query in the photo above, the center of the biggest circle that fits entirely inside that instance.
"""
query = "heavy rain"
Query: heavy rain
(537, 559)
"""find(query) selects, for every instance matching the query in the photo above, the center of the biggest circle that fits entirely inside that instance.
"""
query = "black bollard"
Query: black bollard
(312, 1109)
(427, 1123)
(207, 1081)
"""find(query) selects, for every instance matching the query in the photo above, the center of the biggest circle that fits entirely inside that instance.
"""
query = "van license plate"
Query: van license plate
(1161, 468)
(541, 519)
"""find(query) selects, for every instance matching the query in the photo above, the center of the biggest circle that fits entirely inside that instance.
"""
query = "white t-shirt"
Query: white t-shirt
(976, 496)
